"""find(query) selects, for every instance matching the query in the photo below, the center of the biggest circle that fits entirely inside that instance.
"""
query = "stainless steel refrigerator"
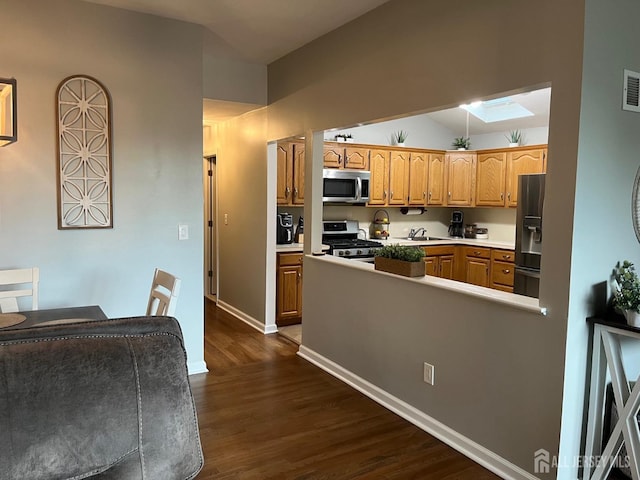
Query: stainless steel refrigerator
(529, 234)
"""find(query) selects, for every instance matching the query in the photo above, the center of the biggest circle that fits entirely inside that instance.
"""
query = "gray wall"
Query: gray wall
(153, 70)
(312, 89)
(608, 161)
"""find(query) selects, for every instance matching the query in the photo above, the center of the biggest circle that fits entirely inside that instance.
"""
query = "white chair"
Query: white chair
(10, 280)
(164, 294)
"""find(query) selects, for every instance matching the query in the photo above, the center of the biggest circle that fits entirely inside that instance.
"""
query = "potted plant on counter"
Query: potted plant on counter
(404, 260)
(627, 292)
(461, 143)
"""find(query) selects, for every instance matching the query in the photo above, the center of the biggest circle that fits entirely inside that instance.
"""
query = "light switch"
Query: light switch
(183, 232)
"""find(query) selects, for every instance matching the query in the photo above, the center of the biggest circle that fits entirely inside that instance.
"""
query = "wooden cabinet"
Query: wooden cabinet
(491, 173)
(440, 261)
(461, 177)
(290, 175)
(289, 289)
(284, 183)
(436, 179)
(333, 155)
(418, 167)
(502, 269)
(297, 197)
(379, 182)
(356, 157)
(336, 155)
(477, 262)
(520, 162)
(399, 177)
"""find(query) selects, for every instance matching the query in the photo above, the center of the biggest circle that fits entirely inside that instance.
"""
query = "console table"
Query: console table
(607, 354)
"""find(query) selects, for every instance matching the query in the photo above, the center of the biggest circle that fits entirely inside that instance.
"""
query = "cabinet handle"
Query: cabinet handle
(299, 275)
(339, 159)
(384, 195)
(391, 194)
(287, 191)
(509, 196)
(449, 194)
(429, 195)
(501, 196)
(506, 257)
(295, 192)
(424, 194)
(506, 270)
(476, 253)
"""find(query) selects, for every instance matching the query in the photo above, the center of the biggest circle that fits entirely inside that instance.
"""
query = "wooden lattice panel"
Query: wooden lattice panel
(84, 154)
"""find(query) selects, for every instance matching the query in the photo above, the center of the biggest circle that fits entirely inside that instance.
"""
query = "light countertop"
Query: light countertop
(295, 248)
(476, 242)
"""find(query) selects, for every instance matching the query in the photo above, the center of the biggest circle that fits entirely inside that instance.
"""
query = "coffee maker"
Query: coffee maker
(456, 228)
(284, 228)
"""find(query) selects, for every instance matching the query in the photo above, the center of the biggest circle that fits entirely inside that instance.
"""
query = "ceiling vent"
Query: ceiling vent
(631, 94)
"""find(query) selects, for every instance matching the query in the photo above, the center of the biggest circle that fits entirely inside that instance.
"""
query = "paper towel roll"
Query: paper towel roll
(412, 211)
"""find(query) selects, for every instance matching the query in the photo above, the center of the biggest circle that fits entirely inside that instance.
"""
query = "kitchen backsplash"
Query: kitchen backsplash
(500, 221)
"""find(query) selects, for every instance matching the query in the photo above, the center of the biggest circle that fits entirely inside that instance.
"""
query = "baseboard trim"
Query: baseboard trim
(464, 445)
(197, 367)
(249, 320)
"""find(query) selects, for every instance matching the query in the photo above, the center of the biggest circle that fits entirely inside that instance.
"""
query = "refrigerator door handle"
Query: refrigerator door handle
(527, 272)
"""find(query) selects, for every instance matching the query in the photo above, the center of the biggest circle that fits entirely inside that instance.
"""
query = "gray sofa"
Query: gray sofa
(102, 400)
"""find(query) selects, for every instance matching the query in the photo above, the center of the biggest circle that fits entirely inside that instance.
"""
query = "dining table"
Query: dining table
(51, 316)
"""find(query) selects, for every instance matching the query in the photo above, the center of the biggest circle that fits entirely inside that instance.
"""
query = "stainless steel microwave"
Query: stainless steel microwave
(345, 186)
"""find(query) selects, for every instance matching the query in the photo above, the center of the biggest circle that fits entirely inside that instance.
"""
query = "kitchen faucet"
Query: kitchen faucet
(415, 231)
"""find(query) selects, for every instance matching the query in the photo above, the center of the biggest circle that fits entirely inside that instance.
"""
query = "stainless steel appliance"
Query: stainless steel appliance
(345, 186)
(343, 241)
(529, 234)
(456, 228)
(284, 228)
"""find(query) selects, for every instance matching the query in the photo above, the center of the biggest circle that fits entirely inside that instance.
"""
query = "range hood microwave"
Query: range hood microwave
(345, 186)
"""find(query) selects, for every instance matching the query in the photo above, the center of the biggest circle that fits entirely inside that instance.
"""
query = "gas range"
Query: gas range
(343, 241)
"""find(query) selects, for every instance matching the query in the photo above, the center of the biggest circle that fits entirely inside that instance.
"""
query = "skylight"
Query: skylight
(497, 110)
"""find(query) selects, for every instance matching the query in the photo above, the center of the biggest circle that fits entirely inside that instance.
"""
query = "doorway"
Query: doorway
(211, 249)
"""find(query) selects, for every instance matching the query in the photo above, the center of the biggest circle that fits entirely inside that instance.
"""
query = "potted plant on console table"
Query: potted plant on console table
(627, 292)
(401, 259)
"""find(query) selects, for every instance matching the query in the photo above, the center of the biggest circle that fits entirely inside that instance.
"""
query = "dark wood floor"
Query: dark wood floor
(265, 413)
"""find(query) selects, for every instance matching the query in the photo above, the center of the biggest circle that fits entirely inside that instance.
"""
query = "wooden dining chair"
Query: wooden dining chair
(163, 297)
(12, 286)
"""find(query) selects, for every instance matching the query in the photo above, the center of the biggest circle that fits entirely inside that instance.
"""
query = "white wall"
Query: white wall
(530, 136)
(153, 70)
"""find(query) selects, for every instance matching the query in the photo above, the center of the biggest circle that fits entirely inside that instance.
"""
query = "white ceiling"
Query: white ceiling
(259, 31)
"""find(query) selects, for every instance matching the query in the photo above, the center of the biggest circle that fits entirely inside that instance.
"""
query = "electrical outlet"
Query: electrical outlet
(429, 374)
(183, 232)
(226, 219)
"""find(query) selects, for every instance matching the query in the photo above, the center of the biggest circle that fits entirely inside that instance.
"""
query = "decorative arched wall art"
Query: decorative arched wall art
(84, 154)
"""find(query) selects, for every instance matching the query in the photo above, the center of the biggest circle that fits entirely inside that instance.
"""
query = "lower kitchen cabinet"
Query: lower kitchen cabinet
(502, 270)
(477, 264)
(289, 289)
(439, 261)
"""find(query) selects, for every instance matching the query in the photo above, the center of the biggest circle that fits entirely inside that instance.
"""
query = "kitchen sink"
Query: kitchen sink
(424, 239)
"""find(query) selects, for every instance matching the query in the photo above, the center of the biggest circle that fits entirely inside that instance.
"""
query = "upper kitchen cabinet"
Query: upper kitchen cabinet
(491, 179)
(418, 167)
(399, 178)
(379, 183)
(436, 179)
(336, 155)
(333, 156)
(290, 181)
(356, 157)
(461, 176)
(520, 162)
(284, 184)
(298, 174)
